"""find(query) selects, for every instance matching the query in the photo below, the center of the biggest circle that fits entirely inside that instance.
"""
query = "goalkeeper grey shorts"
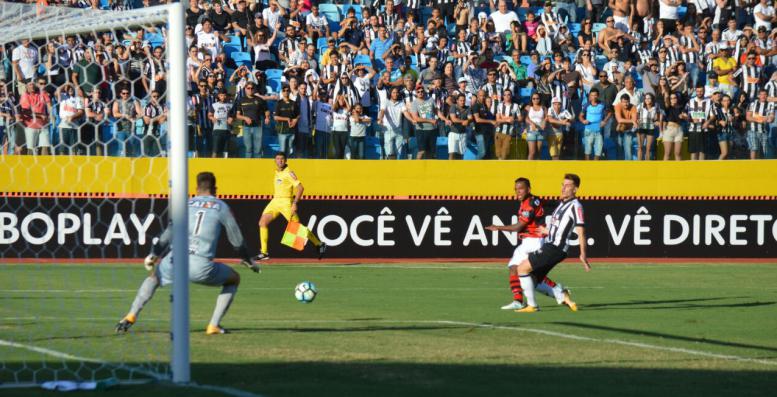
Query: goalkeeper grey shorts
(201, 271)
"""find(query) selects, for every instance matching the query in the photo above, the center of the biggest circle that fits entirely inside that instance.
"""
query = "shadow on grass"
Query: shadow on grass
(666, 336)
(322, 379)
(676, 304)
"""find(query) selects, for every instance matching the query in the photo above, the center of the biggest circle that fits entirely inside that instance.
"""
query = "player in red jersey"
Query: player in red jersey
(530, 217)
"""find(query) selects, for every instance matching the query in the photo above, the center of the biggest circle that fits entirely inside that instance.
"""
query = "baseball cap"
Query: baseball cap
(482, 15)
(712, 75)
(258, 15)
(723, 46)
(461, 80)
(556, 99)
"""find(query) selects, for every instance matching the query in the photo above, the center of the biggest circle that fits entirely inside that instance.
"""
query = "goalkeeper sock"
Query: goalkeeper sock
(528, 289)
(264, 234)
(223, 302)
(515, 287)
(145, 293)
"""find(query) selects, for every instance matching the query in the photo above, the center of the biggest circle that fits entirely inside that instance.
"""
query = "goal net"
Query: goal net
(92, 109)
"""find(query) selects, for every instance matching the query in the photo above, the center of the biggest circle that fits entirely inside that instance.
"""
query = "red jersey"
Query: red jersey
(531, 214)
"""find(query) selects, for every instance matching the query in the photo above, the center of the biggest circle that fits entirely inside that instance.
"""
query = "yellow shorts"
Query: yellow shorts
(280, 206)
(554, 144)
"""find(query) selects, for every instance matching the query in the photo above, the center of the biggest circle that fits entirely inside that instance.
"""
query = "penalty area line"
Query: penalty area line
(156, 376)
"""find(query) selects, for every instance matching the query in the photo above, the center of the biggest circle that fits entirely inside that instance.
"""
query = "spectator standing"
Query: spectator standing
(24, 59)
(34, 112)
(286, 119)
(71, 110)
(126, 110)
(358, 131)
(219, 115)
(306, 121)
(97, 113)
(425, 114)
(626, 117)
(760, 114)
(201, 102)
(154, 117)
(594, 116)
(250, 109)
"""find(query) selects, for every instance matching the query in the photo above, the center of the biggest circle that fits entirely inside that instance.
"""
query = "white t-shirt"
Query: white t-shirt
(209, 41)
(271, 18)
(317, 22)
(665, 11)
(68, 108)
(340, 120)
(27, 58)
(392, 114)
(768, 11)
(502, 21)
(323, 116)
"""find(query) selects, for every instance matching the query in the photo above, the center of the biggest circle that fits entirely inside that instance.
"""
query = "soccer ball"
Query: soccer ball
(305, 292)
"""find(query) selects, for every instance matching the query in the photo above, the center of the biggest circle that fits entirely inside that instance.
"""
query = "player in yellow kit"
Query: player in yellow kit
(288, 192)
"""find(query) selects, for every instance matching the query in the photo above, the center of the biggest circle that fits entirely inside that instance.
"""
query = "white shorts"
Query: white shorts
(36, 137)
(457, 143)
(521, 253)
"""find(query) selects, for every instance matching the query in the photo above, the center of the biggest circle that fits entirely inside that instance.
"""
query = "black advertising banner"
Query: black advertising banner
(124, 228)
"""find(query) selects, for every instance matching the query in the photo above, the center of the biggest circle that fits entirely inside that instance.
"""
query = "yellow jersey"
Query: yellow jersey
(725, 64)
(285, 182)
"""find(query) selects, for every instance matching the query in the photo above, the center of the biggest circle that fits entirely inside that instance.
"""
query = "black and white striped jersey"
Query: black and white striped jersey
(689, 57)
(710, 49)
(700, 111)
(506, 109)
(760, 110)
(567, 216)
(464, 48)
(749, 80)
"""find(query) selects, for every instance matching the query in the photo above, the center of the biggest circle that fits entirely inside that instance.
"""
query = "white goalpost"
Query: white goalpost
(20, 22)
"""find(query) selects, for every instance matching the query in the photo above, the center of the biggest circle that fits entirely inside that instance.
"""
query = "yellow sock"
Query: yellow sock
(264, 234)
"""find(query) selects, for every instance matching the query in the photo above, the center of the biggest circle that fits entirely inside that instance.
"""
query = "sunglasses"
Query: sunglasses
(535, 99)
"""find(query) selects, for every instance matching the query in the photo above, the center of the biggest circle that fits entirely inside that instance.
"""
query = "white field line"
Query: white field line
(615, 342)
(538, 331)
(66, 356)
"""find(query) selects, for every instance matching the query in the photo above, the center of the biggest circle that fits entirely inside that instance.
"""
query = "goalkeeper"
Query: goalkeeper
(206, 216)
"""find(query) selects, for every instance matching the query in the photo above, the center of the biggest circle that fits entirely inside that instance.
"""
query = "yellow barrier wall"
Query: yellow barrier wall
(396, 178)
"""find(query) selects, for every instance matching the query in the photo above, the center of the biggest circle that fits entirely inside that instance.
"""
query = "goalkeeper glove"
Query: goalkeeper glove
(150, 261)
(249, 263)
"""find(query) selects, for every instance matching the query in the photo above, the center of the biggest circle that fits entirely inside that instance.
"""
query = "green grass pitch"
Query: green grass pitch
(413, 329)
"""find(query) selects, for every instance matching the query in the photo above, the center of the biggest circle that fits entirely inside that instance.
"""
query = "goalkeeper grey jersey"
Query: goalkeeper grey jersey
(206, 215)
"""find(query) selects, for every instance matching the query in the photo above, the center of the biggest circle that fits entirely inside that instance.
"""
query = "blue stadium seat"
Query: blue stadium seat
(600, 61)
(372, 148)
(526, 92)
(241, 58)
(321, 44)
(330, 11)
(442, 148)
(155, 39)
(273, 74)
(575, 29)
(598, 27)
(682, 11)
(414, 62)
(426, 13)
(525, 59)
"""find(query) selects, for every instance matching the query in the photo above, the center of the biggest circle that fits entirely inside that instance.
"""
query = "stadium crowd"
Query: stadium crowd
(410, 79)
